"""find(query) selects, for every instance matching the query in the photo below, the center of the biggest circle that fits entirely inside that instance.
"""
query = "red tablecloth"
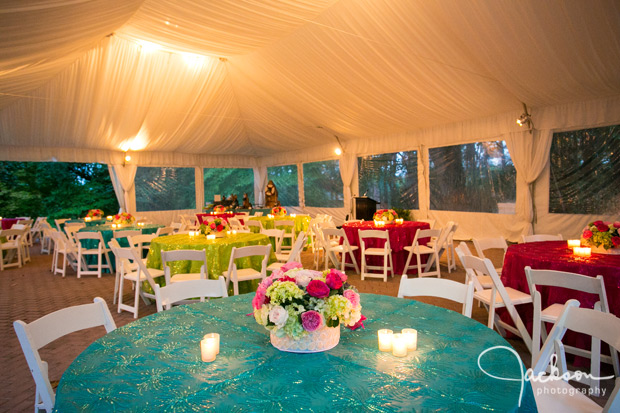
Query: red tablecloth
(401, 236)
(7, 223)
(223, 215)
(555, 255)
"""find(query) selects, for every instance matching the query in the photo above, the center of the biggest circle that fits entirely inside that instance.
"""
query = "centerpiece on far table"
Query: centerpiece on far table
(303, 309)
(278, 211)
(602, 237)
(124, 218)
(219, 209)
(217, 227)
(94, 214)
(386, 215)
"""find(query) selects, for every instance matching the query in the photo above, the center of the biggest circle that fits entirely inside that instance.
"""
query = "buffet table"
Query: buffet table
(401, 236)
(154, 364)
(218, 254)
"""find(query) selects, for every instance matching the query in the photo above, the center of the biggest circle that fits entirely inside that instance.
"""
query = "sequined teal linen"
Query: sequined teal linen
(153, 364)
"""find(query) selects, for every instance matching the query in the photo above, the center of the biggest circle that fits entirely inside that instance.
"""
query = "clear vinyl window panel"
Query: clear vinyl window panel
(285, 179)
(165, 189)
(228, 181)
(475, 177)
(585, 171)
(390, 178)
(323, 184)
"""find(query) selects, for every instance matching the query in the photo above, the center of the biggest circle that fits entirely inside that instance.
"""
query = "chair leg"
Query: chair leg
(407, 263)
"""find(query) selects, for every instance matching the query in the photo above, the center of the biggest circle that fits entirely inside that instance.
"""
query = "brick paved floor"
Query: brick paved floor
(32, 291)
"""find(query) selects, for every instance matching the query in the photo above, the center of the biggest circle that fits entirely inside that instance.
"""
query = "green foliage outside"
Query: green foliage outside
(165, 189)
(323, 184)
(55, 189)
(228, 181)
(390, 178)
(405, 214)
(473, 178)
(285, 179)
(585, 171)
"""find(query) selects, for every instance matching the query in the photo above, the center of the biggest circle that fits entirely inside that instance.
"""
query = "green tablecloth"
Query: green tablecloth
(92, 223)
(153, 364)
(218, 254)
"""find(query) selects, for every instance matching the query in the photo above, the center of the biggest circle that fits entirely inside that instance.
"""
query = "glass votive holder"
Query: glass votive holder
(109, 218)
(385, 339)
(208, 349)
(582, 251)
(211, 236)
(411, 337)
(399, 345)
(217, 341)
(88, 219)
(572, 243)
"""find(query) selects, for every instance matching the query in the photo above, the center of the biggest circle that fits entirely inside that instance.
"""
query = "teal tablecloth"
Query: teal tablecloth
(153, 364)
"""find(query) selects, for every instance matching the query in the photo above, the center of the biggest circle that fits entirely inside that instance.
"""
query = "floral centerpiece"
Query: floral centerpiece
(123, 218)
(217, 227)
(219, 209)
(386, 215)
(303, 309)
(602, 237)
(278, 211)
(94, 213)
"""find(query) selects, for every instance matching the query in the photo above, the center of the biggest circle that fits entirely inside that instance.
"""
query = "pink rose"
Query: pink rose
(359, 324)
(587, 234)
(290, 266)
(311, 320)
(602, 227)
(353, 297)
(318, 289)
(342, 275)
(615, 241)
(286, 278)
(333, 281)
(617, 224)
(258, 300)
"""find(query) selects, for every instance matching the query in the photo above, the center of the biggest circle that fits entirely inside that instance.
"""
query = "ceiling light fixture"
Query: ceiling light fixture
(526, 119)
(126, 158)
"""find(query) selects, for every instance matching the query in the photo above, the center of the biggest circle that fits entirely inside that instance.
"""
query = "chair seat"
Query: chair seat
(551, 313)
(420, 249)
(248, 274)
(132, 276)
(377, 251)
(9, 245)
(516, 296)
(571, 401)
(275, 266)
(340, 248)
(184, 277)
(282, 257)
(485, 281)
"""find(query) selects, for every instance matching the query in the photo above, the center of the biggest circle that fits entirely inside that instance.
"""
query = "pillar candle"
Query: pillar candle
(399, 345)
(217, 341)
(385, 339)
(411, 337)
(208, 348)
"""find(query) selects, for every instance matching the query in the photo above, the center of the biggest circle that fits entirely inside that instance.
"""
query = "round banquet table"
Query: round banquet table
(7, 223)
(401, 236)
(222, 215)
(218, 254)
(301, 222)
(154, 364)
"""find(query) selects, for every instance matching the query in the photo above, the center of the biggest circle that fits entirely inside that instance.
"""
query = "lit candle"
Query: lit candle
(293, 215)
(211, 236)
(208, 348)
(399, 220)
(113, 226)
(582, 251)
(87, 219)
(227, 232)
(217, 341)
(385, 339)
(270, 216)
(109, 218)
(234, 232)
(411, 337)
(399, 345)
(191, 234)
(574, 243)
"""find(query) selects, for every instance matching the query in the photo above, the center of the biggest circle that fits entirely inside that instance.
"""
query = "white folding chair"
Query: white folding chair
(11, 248)
(142, 242)
(558, 395)
(45, 237)
(129, 259)
(335, 242)
(437, 287)
(177, 227)
(164, 231)
(126, 233)
(181, 260)
(449, 247)
(277, 236)
(499, 296)
(385, 251)
(71, 229)
(236, 224)
(59, 223)
(252, 223)
(571, 281)
(289, 232)
(483, 244)
(235, 274)
(541, 237)
(41, 332)
(36, 230)
(27, 225)
(179, 292)
(257, 214)
(480, 281)
(293, 256)
(64, 246)
(100, 252)
(430, 222)
(25, 245)
(431, 249)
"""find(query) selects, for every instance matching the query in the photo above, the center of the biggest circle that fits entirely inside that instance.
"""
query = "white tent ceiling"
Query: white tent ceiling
(278, 76)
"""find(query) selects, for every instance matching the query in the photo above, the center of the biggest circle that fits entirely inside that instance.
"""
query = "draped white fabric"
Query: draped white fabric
(125, 175)
(348, 169)
(256, 83)
(260, 182)
(118, 189)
